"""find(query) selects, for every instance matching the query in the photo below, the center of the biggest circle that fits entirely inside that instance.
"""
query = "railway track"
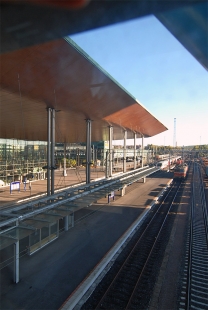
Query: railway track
(130, 281)
(195, 282)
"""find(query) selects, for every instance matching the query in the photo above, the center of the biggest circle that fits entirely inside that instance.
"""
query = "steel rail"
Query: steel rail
(204, 202)
(197, 288)
(152, 249)
(99, 304)
(190, 244)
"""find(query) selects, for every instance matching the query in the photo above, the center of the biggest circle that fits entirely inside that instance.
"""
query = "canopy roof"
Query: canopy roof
(59, 75)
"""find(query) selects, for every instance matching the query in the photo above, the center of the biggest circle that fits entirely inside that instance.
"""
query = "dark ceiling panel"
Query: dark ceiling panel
(189, 25)
(56, 74)
(24, 23)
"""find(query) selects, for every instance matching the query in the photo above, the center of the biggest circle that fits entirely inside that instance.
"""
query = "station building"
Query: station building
(19, 158)
(61, 96)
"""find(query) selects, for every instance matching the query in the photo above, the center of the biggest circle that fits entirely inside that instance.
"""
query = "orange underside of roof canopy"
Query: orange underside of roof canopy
(59, 75)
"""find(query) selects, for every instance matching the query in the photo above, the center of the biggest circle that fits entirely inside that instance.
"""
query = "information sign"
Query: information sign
(14, 186)
(111, 195)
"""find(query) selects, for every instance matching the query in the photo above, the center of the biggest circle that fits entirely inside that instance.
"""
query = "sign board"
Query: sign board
(14, 186)
(111, 195)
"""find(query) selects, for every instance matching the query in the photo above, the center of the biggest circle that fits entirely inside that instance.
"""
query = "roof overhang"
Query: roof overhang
(59, 75)
(46, 82)
(25, 23)
(189, 24)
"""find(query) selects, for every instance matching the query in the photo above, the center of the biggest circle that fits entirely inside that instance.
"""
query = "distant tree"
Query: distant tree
(69, 163)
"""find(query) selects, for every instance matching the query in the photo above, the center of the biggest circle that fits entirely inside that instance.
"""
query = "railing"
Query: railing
(71, 194)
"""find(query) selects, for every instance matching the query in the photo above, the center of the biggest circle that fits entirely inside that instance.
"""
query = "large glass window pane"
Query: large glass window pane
(54, 231)
(44, 235)
(34, 241)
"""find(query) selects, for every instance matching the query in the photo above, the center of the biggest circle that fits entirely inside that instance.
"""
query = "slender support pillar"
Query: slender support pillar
(16, 262)
(49, 152)
(96, 160)
(135, 150)
(66, 222)
(169, 162)
(142, 151)
(52, 149)
(93, 154)
(72, 219)
(6, 172)
(123, 190)
(77, 157)
(88, 150)
(64, 172)
(124, 151)
(110, 151)
(106, 166)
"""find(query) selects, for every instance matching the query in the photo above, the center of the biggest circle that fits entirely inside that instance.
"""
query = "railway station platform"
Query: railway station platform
(49, 276)
(39, 187)
(34, 223)
(74, 177)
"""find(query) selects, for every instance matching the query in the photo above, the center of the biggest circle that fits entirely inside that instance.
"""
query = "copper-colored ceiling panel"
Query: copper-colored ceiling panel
(60, 75)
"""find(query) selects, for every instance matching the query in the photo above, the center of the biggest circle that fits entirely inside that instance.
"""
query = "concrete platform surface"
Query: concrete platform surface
(39, 187)
(49, 276)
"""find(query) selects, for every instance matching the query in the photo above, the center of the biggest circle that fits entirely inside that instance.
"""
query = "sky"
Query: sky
(145, 58)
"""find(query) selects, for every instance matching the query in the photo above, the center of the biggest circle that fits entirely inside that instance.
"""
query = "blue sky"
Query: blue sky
(144, 57)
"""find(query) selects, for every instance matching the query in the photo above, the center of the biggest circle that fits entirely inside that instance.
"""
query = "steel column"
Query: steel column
(124, 151)
(110, 151)
(64, 172)
(49, 152)
(72, 219)
(135, 150)
(16, 262)
(88, 150)
(142, 151)
(52, 149)
(93, 154)
(66, 223)
(106, 166)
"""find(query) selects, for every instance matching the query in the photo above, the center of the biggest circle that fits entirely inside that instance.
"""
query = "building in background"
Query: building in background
(19, 158)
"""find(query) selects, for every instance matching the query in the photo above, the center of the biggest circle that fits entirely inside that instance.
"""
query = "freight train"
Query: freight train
(167, 157)
(170, 161)
(180, 171)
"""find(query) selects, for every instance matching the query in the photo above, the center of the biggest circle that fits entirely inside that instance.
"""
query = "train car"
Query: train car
(179, 161)
(174, 160)
(161, 157)
(162, 164)
(180, 171)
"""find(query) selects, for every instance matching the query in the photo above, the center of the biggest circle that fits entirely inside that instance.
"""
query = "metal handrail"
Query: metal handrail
(54, 201)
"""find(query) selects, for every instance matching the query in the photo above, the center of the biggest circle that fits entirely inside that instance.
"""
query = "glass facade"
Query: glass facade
(20, 158)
